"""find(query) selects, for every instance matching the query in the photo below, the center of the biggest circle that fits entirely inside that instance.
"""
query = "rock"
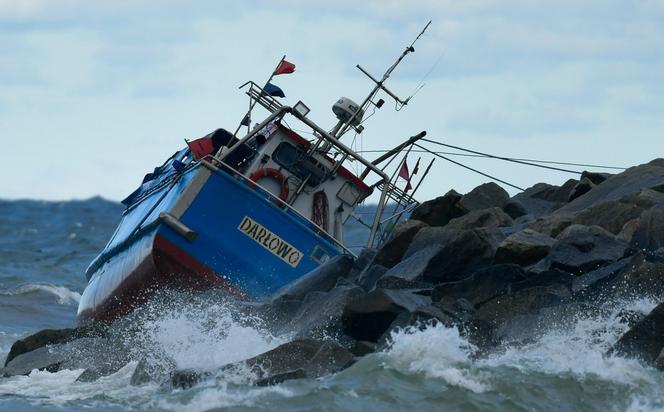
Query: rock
(557, 194)
(483, 285)
(363, 260)
(515, 209)
(185, 378)
(645, 340)
(602, 274)
(368, 316)
(439, 211)
(99, 371)
(613, 215)
(428, 237)
(493, 217)
(584, 186)
(594, 177)
(524, 247)
(534, 202)
(649, 233)
(485, 196)
(461, 256)
(391, 252)
(48, 358)
(524, 302)
(659, 362)
(394, 282)
(51, 337)
(639, 278)
(413, 266)
(299, 359)
(370, 276)
(631, 181)
(321, 279)
(581, 249)
(320, 314)
(628, 229)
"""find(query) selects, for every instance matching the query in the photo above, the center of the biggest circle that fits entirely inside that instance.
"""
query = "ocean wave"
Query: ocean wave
(65, 296)
(437, 352)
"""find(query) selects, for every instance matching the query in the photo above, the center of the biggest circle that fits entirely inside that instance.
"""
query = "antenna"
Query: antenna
(380, 85)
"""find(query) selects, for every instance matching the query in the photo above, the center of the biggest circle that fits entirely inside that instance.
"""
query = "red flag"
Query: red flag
(417, 166)
(284, 67)
(403, 173)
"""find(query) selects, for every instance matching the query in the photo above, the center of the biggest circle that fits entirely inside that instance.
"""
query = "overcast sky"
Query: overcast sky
(95, 94)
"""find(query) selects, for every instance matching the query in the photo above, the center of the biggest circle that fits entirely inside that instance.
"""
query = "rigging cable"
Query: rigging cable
(508, 159)
(470, 168)
(515, 158)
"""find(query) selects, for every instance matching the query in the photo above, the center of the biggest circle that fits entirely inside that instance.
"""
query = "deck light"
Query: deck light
(301, 109)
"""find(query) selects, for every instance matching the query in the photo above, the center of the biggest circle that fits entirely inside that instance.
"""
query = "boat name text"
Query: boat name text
(276, 245)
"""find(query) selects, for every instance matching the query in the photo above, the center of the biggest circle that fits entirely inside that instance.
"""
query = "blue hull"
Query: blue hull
(202, 227)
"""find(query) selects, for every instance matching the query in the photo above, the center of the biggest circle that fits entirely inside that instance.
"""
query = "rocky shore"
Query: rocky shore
(500, 269)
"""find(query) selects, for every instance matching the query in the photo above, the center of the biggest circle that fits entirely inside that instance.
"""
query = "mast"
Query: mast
(340, 128)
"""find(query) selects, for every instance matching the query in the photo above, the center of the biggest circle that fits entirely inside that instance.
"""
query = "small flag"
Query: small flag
(284, 67)
(417, 166)
(403, 173)
(273, 90)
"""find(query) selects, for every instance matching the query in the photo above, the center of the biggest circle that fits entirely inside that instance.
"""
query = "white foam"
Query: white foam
(438, 352)
(206, 339)
(65, 296)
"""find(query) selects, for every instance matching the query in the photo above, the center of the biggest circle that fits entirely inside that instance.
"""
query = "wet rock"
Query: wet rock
(362, 348)
(461, 256)
(394, 282)
(370, 276)
(581, 248)
(321, 279)
(645, 340)
(299, 359)
(493, 217)
(639, 278)
(393, 250)
(48, 358)
(428, 237)
(484, 196)
(363, 260)
(649, 233)
(602, 274)
(413, 266)
(184, 378)
(52, 337)
(524, 247)
(515, 209)
(524, 302)
(659, 362)
(584, 186)
(483, 285)
(439, 211)
(319, 315)
(99, 371)
(368, 316)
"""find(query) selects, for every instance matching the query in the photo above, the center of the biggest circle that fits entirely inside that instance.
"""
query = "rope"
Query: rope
(470, 168)
(515, 158)
(508, 159)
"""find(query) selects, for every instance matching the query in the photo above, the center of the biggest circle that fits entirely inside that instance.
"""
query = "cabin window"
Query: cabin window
(295, 160)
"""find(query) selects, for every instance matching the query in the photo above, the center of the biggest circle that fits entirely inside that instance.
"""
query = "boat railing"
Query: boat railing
(331, 142)
(259, 95)
(211, 163)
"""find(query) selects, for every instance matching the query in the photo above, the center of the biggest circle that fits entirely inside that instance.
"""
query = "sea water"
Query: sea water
(45, 247)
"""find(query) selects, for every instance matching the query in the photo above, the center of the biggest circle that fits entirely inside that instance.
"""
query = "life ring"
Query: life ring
(274, 174)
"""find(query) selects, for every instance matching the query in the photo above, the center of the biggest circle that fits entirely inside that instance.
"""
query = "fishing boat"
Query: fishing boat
(248, 213)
